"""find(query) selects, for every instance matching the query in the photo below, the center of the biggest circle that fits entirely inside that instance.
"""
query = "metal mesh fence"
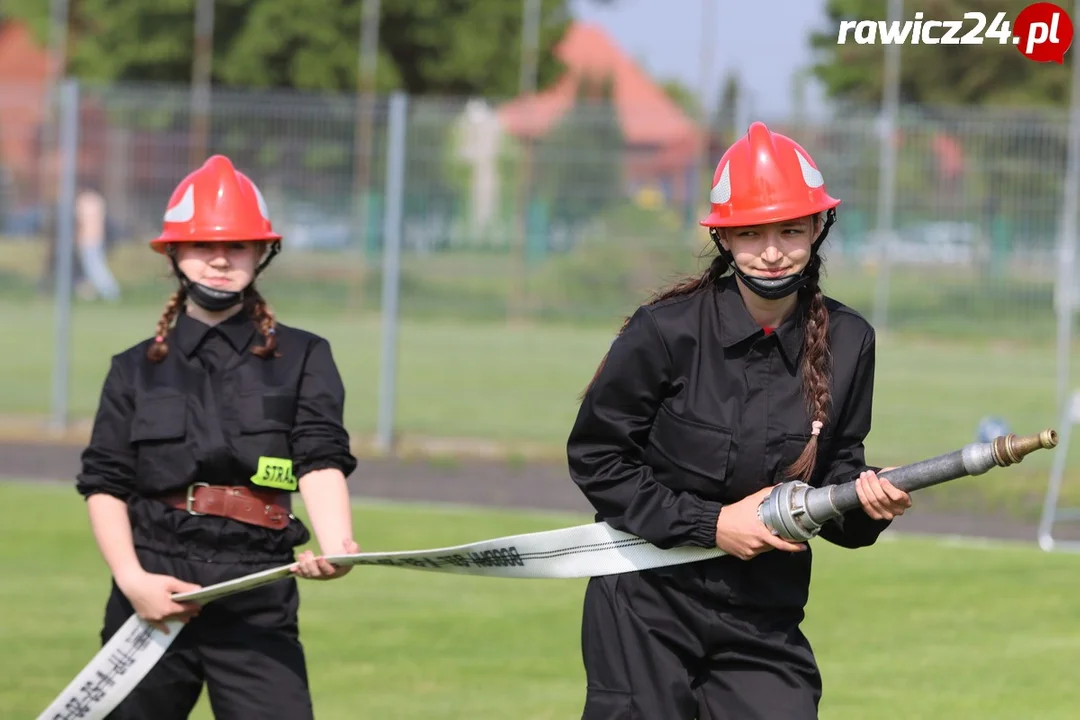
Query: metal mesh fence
(515, 222)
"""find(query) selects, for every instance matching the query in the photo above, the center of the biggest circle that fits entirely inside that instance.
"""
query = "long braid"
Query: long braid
(685, 286)
(816, 370)
(265, 323)
(160, 347)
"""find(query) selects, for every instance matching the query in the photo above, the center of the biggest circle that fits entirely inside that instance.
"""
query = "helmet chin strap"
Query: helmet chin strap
(774, 288)
(212, 299)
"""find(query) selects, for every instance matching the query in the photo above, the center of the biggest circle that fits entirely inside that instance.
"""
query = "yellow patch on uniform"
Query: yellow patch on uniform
(275, 473)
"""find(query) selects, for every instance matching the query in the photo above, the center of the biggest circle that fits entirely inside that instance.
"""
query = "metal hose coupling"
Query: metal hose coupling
(795, 511)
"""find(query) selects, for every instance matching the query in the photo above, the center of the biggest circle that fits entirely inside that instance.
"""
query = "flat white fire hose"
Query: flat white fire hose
(581, 551)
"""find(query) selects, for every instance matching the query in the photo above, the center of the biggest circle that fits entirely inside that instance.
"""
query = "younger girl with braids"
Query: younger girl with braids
(714, 391)
(202, 435)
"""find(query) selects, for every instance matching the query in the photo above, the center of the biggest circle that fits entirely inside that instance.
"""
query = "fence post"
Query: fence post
(886, 204)
(391, 269)
(65, 248)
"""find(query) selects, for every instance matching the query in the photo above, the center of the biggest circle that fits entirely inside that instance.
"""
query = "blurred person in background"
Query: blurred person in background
(93, 231)
(714, 391)
(203, 434)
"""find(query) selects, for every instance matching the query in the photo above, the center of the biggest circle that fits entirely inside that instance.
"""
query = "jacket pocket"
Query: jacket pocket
(260, 412)
(688, 455)
(280, 406)
(159, 418)
(159, 436)
(263, 431)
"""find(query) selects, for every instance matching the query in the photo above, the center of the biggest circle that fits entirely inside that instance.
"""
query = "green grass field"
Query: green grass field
(910, 628)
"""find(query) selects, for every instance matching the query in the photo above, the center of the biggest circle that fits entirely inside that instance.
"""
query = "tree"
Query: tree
(578, 166)
(986, 74)
(457, 47)
(726, 113)
(684, 97)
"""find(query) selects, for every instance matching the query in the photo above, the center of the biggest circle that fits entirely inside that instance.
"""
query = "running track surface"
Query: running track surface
(528, 486)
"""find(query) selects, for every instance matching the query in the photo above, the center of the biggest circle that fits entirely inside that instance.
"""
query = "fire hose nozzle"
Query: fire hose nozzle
(796, 511)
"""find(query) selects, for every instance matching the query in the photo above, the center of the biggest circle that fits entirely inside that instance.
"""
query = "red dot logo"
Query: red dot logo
(1043, 32)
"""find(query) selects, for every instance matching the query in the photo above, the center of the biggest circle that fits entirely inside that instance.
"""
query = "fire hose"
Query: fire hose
(794, 511)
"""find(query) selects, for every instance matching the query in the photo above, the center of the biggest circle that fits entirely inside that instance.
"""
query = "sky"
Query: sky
(765, 41)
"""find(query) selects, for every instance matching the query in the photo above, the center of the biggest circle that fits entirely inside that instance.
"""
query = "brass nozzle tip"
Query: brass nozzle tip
(1011, 449)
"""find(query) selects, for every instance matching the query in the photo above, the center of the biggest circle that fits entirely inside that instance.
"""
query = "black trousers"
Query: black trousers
(654, 649)
(244, 647)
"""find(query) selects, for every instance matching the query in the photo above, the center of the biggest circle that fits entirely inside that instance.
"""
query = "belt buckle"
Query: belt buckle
(191, 496)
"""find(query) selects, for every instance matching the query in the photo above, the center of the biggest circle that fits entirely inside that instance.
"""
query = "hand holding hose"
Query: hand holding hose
(880, 499)
(740, 532)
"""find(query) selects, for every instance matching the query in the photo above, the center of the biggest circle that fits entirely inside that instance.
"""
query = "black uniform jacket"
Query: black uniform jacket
(696, 407)
(207, 413)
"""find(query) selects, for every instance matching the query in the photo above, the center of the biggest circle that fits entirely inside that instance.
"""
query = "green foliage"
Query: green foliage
(464, 48)
(725, 114)
(425, 46)
(578, 165)
(291, 43)
(684, 97)
(987, 74)
(428, 141)
(623, 258)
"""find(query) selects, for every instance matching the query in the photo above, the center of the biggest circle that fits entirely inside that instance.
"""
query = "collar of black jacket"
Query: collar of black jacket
(737, 324)
(189, 332)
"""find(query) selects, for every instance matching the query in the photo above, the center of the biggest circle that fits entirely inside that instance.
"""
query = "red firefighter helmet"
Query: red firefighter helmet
(765, 177)
(216, 203)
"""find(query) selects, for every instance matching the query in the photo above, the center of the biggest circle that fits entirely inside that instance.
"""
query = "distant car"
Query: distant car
(307, 226)
(930, 243)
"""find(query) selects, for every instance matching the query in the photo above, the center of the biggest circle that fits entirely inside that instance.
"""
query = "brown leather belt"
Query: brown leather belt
(247, 505)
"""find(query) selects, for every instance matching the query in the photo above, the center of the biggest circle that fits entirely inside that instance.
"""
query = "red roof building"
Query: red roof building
(24, 69)
(662, 141)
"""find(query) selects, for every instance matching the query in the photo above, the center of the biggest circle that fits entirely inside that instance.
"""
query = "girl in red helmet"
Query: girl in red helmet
(203, 433)
(716, 390)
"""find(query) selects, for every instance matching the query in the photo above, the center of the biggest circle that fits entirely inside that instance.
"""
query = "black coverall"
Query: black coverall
(207, 413)
(695, 407)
